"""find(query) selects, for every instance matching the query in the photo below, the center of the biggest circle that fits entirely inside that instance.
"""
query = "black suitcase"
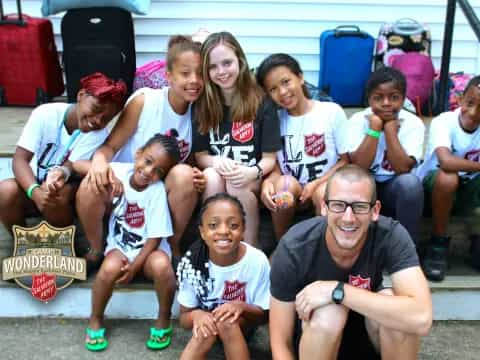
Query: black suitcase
(98, 39)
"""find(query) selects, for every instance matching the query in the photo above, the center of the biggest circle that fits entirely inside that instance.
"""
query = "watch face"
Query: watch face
(338, 294)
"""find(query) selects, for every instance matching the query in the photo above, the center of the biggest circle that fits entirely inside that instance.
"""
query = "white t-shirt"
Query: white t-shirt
(445, 131)
(46, 136)
(311, 142)
(138, 216)
(248, 280)
(157, 116)
(410, 135)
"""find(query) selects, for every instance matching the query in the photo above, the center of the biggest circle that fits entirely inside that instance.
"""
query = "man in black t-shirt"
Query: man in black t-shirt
(326, 266)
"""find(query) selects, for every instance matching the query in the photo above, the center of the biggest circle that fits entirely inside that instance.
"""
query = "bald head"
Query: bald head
(352, 173)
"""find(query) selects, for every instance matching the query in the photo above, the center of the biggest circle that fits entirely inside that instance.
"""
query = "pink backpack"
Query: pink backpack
(151, 75)
(419, 72)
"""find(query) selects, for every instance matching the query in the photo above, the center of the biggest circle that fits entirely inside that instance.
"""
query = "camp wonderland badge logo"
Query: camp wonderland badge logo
(43, 260)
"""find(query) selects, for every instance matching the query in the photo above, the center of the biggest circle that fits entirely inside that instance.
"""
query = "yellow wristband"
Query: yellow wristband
(30, 190)
(373, 133)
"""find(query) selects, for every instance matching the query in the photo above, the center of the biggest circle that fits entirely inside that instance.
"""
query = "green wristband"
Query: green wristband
(30, 189)
(373, 133)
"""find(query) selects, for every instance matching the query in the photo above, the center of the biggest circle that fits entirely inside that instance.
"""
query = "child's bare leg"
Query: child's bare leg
(159, 269)
(248, 197)
(318, 197)
(198, 348)
(283, 218)
(233, 340)
(91, 208)
(215, 183)
(62, 213)
(103, 286)
(12, 204)
(444, 188)
(182, 198)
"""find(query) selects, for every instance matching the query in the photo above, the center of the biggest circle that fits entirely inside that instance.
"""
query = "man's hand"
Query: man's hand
(312, 297)
(230, 311)
(203, 324)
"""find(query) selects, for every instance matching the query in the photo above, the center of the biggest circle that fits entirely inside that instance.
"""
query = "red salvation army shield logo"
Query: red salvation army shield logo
(183, 146)
(134, 215)
(473, 155)
(242, 132)
(44, 286)
(360, 282)
(234, 290)
(314, 145)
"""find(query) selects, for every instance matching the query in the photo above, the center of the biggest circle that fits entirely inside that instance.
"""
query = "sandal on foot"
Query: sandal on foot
(96, 340)
(159, 338)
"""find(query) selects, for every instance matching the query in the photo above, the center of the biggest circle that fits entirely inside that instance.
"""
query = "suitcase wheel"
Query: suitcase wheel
(42, 97)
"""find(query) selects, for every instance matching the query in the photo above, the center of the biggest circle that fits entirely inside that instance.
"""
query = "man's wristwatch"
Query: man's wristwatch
(260, 171)
(338, 293)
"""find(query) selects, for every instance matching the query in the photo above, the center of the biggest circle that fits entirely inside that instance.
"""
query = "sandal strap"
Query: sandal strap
(154, 332)
(95, 334)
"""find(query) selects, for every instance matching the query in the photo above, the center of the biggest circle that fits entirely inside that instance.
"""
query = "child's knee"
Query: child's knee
(9, 191)
(229, 331)
(160, 265)
(446, 182)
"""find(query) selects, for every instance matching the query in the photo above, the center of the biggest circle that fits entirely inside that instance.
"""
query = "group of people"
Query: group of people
(229, 141)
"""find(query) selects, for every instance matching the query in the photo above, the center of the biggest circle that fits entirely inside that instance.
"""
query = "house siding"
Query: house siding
(292, 26)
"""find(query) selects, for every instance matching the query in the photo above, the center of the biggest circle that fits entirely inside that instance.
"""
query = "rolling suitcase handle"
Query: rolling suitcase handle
(6, 20)
(349, 30)
(407, 27)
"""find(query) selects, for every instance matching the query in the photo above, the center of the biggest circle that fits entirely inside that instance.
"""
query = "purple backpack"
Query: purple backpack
(151, 75)
(419, 72)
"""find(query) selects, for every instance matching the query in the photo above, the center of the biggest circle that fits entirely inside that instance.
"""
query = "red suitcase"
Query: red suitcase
(30, 72)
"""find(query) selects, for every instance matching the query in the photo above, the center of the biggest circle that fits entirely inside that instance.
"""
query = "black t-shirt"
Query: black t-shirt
(302, 257)
(243, 142)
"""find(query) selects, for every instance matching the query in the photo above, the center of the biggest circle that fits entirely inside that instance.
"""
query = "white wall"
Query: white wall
(293, 26)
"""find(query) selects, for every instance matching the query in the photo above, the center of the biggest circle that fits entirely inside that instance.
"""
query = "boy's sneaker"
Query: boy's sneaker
(475, 251)
(435, 263)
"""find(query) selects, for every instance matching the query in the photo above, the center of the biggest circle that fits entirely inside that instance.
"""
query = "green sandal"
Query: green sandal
(96, 339)
(159, 338)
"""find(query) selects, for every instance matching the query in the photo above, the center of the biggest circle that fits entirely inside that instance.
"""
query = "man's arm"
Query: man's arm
(409, 310)
(282, 329)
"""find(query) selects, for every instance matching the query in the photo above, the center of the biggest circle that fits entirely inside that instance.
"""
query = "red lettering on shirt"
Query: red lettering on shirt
(314, 145)
(242, 132)
(360, 282)
(134, 216)
(234, 290)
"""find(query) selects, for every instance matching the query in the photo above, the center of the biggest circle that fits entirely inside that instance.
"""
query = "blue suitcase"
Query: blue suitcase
(346, 56)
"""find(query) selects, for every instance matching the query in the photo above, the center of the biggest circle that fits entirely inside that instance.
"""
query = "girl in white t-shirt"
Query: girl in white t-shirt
(150, 111)
(388, 141)
(55, 135)
(224, 282)
(138, 228)
(312, 149)
(450, 177)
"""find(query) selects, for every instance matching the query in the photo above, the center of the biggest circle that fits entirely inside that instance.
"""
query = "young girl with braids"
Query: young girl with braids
(138, 227)
(150, 111)
(224, 282)
(55, 135)
(237, 133)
